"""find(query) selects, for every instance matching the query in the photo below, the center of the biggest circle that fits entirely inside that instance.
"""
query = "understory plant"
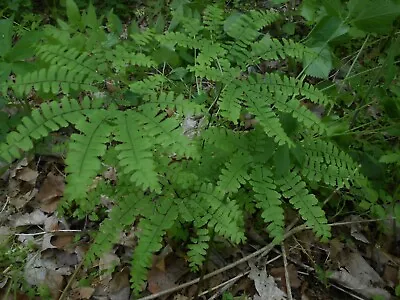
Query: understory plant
(200, 135)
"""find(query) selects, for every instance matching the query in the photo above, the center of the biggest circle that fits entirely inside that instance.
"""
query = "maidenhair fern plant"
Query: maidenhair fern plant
(172, 124)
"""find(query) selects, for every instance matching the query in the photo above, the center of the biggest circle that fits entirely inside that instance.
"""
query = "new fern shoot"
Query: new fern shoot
(203, 66)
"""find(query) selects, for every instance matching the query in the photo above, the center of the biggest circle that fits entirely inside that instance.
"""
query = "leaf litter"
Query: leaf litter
(29, 217)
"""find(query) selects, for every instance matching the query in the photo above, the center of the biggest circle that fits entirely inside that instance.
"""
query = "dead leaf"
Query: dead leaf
(119, 281)
(19, 200)
(353, 283)
(356, 229)
(50, 191)
(28, 175)
(20, 165)
(166, 277)
(55, 282)
(37, 217)
(359, 276)
(62, 241)
(84, 292)
(265, 285)
(295, 282)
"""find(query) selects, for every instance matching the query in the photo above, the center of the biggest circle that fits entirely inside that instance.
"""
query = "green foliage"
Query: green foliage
(199, 135)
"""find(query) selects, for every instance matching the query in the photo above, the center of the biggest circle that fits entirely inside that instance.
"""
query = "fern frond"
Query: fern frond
(72, 59)
(267, 118)
(51, 79)
(226, 217)
(82, 160)
(209, 53)
(135, 153)
(230, 103)
(169, 100)
(298, 111)
(198, 249)
(213, 19)
(223, 73)
(263, 18)
(268, 200)
(123, 214)
(289, 86)
(166, 132)
(235, 173)
(325, 161)
(122, 58)
(151, 231)
(294, 189)
(171, 39)
(149, 85)
(49, 117)
(143, 38)
(269, 48)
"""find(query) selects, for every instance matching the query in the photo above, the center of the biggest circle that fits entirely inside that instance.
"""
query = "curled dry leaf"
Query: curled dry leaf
(50, 192)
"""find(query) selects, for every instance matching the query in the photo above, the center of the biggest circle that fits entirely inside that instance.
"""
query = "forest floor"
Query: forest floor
(359, 262)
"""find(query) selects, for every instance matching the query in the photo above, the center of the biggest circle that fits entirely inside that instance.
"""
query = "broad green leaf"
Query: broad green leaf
(6, 27)
(73, 14)
(373, 16)
(333, 7)
(321, 66)
(328, 29)
(309, 10)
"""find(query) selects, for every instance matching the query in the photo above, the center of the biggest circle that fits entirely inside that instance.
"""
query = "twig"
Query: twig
(360, 221)
(51, 232)
(227, 286)
(285, 264)
(347, 292)
(263, 251)
(5, 204)
(64, 292)
(234, 279)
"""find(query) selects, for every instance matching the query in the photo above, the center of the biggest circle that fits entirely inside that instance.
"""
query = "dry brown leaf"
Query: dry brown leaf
(84, 292)
(119, 287)
(19, 200)
(55, 282)
(62, 241)
(50, 192)
(295, 282)
(28, 175)
(159, 280)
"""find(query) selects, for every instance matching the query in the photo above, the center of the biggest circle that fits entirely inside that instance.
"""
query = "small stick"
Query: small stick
(51, 232)
(64, 292)
(285, 264)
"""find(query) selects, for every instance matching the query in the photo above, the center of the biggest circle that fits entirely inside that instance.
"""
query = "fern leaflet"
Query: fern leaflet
(268, 200)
